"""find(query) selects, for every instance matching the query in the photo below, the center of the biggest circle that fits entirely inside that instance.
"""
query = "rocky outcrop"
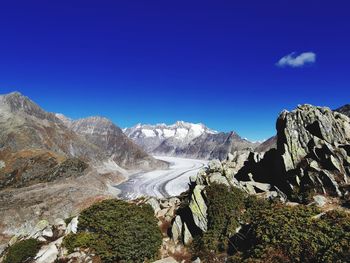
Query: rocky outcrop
(312, 159)
(313, 144)
(312, 154)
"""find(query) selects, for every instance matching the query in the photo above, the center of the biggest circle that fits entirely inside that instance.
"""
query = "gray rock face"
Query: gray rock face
(177, 229)
(216, 146)
(312, 154)
(309, 125)
(312, 142)
(198, 208)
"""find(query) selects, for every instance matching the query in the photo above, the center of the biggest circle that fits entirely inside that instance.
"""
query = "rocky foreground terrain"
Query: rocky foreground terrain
(288, 204)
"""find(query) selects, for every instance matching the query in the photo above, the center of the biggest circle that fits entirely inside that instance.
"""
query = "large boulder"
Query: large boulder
(312, 155)
(313, 143)
(307, 127)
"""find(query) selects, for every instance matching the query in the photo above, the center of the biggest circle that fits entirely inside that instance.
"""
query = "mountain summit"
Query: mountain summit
(150, 137)
(184, 139)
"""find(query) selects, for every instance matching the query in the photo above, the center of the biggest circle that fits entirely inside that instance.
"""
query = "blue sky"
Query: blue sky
(214, 62)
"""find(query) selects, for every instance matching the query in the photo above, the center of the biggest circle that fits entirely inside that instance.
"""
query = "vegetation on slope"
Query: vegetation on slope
(118, 232)
(22, 251)
(271, 231)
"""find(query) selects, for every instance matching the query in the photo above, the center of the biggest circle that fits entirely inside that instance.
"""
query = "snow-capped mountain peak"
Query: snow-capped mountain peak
(180, 130)
(151, 136)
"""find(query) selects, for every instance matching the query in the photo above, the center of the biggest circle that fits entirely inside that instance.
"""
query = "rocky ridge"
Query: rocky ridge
(310, 165)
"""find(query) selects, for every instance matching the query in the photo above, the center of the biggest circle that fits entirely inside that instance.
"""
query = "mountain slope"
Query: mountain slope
(113, 142)
(49, 169)
(24, 125)
(186, 140)
(32, 138)
(344, 110)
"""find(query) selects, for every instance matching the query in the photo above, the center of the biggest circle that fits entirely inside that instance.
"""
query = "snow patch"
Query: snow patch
(181, 133)
(168, 133)
(148, 133)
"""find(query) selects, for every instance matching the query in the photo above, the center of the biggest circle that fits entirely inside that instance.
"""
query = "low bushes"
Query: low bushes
(22, 251)
(280, 233)
(224, 209)
(270, 231)
(118, 231)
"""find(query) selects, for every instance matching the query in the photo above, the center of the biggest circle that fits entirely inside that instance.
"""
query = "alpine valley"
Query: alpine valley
(88, 191)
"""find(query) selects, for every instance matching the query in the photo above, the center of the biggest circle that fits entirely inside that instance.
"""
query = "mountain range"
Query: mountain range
(51, 163)
(183, 139)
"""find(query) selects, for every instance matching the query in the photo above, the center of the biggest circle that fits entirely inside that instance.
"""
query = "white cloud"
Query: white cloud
(296, 61)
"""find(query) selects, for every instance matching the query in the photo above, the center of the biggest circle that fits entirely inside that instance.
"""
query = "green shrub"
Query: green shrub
(79, 240)
(270, 231)
(22, 251)
(293, 234)
(224, 209)
(118, 231)
(68, 220)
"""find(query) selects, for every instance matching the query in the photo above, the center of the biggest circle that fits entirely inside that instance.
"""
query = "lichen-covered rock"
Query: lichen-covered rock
(176, 229)
(308, 124)
(49, 253)
(215, 166)
(311, 142)
(166, 260)
(154, 203)
(312, 155)
(198, 208)
(187, 236)
(217, 178)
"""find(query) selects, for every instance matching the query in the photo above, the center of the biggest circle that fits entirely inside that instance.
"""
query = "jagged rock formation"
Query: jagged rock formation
(314, 145)
(312, 157)
(344, 110)
(312, 154)
(187, 140)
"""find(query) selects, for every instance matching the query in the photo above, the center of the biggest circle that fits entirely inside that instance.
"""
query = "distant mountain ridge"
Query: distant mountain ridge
(184, 139)
(344, 110)
(26, 126)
